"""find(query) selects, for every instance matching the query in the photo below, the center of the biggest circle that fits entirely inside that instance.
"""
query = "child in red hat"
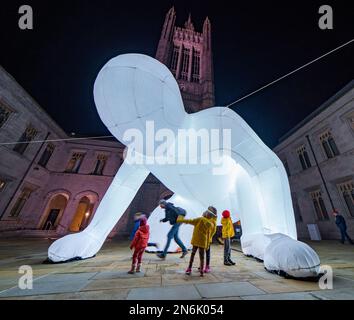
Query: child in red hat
(227, 233)
(139, 244)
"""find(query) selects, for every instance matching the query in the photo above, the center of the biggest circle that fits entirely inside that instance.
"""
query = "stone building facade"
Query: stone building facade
(322, 144)
(50, 184)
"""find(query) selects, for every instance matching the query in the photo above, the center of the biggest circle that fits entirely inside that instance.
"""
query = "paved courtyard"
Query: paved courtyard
(105, 276)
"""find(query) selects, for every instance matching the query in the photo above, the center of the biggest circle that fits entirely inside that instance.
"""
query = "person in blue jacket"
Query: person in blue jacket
(136, 226)
(137, 217)
(171, 215)
(341, 224)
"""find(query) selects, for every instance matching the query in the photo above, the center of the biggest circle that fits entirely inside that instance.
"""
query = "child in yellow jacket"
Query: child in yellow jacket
(227, 233)
(201, 238)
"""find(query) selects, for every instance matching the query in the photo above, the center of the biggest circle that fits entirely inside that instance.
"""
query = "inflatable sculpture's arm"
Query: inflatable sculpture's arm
(118, 197)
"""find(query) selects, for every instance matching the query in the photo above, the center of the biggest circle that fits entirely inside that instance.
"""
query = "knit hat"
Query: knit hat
(212, 211)
(162, 201)
(226, 214)
(143, 221)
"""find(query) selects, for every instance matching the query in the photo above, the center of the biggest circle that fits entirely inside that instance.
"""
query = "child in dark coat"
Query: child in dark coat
(139, 244)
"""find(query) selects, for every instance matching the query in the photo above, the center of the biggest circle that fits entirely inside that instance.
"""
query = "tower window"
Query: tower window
(174, 59)
(20, 202)
(185, 64)
(346, 190)
(4, 114)
(328, 144)
(303, 157)
(46, 155)
(196, 67)
(75, 162)
(319, 205)
(100, 164)
(24, 140)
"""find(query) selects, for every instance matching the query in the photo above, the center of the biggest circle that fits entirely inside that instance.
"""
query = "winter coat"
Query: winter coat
(141, 237)
(340, 222)
(203, 229)
(171, 213)
(227, 228)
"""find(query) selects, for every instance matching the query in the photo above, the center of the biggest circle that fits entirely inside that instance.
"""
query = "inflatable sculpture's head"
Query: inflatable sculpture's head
(132, 89)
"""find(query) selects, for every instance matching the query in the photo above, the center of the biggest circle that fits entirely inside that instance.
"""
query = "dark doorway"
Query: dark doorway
(52, 217)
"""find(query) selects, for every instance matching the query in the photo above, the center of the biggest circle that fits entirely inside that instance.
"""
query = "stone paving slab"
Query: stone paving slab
(42, 288)
(117, 274)
(123, 283)
(181, 278)
(228, 289)
(185, 292)
(282, 296)
(65, 277)
(339, 294)
(271, 286)
(116, 294)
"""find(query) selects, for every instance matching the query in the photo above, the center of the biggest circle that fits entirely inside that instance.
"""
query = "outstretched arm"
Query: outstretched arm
(118, 197)
(193, 222)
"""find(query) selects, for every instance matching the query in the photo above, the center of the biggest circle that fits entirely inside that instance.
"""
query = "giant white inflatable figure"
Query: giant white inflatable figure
(136, 96)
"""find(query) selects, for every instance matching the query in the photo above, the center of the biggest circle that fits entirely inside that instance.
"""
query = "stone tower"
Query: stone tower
(188, 54)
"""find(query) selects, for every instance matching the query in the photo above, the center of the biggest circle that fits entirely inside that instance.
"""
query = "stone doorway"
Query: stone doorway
(82, 215)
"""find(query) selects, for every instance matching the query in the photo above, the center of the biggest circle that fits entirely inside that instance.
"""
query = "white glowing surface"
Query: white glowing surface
(132, 89)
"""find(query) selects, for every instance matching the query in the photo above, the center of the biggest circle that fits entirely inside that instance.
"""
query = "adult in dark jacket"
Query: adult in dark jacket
(341, 224)
(171, 215)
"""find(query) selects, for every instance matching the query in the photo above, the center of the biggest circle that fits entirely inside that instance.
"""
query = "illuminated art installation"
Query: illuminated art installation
(133, 91)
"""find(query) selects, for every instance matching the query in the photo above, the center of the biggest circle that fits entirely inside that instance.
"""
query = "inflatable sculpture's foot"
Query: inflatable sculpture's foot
(74, 246)
(282, 255)
(290, 257)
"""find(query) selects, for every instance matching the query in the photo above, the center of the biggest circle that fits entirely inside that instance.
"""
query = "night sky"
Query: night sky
(254, 42)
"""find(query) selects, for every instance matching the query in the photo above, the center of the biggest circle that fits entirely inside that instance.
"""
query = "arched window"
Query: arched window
(46, 155)
(328, 144)
(54, 211)
(346, 190)
(303, 157)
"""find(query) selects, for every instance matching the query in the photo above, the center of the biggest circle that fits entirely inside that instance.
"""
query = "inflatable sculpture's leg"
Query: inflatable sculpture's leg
(116, 200)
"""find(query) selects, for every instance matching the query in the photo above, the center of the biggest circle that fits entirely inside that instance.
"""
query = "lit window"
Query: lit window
(319, 205)
(75, 162)
(346, 190)
(4, 114)
(46, 155)
(20, 202)
(303, 157)
(328, 144)
(100, 164)
(25, 139)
